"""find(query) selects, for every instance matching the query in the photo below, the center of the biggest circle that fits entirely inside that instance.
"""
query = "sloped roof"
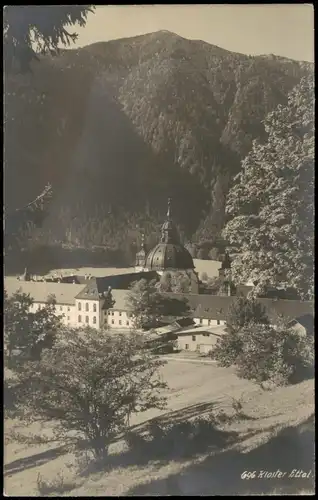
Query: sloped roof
(288, 308)
(64, 293)
(206, 306)
(96, 286)
(215, 330)
(216, 307)
(89, 291)
(306, 321)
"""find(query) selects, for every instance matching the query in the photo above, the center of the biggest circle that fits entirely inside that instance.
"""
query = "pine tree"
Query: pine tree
(33, 29)
(271, 230)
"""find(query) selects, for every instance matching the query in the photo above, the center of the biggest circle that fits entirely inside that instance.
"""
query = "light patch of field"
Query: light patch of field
(210, 267)
(194, 390)
(97, 272)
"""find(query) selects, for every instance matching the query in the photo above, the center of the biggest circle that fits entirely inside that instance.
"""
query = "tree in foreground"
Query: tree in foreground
(149, 306)
(90, 383)
(260, 351)
(27, 333)
(245, 310)
(271, 206)
(175, 281)
(30, 30)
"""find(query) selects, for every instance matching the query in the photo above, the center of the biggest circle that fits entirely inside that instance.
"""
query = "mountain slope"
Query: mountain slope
(127, 123)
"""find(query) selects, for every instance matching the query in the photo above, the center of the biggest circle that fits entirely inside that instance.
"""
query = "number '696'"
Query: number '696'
(248, 474)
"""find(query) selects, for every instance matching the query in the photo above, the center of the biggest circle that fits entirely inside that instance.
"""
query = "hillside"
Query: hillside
(121, 125)
(274, 433)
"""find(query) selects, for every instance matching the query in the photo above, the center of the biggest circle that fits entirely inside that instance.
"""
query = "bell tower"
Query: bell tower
(141, 256)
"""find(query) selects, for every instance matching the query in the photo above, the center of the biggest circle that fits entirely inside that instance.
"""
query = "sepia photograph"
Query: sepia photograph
(158, 242)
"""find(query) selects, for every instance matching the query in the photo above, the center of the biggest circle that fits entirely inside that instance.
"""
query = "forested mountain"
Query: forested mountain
(117, 127)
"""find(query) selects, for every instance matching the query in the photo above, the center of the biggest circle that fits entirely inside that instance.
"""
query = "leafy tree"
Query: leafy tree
(37, 29)
(149, 306)
(264, 353)
(27, 333)
(272, 205)
(165, 283)
(214, 254)
(178, 282)
(244, 310)
(90, 383)
(146, 303)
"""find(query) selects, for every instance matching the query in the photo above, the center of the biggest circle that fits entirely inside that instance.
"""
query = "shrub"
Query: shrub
(264, 353)
(90, 383)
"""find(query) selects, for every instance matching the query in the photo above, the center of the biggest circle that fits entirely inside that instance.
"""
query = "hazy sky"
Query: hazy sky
(280, 29)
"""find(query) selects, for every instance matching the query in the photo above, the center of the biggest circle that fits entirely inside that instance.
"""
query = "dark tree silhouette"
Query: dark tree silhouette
(30, 30)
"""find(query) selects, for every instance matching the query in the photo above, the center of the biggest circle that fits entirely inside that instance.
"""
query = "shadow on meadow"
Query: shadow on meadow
(32, 461)
(175, 436)
(220, 474)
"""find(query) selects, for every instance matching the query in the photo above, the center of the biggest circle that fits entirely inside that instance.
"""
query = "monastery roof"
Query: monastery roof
(215, 330)
(216, 307)
(118, 281)
(64, 293)
(96, 286)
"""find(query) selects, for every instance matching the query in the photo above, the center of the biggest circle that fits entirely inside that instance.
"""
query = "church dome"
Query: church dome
(168, 256)
(169, 253)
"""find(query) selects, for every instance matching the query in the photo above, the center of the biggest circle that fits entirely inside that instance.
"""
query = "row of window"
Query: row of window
(120, 322)
(218, 322)
(41, 306)
(86, 319)
(87, 307)
(112, 313)
(68, 308)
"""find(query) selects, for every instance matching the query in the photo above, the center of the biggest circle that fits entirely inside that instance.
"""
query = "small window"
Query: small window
(68, 308)
(187, 346)
(127, 323)
(86, 306)
(120, 313)
(80, 319)
(86, 319)
(112, 313)
(94, 320)
(209, 322)
(94, 308)
(113, 321)
(119, 321)
(61, 308)
(193, 338)
(201, 321)
(79, 306)
(218, 322)
(68, 318)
